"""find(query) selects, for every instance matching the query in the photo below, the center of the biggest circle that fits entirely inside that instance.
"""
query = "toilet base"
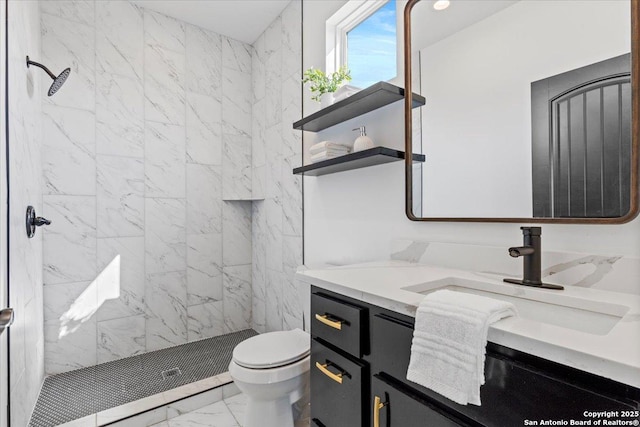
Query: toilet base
(269, 413)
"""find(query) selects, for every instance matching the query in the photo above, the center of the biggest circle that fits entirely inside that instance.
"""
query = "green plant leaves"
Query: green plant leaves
(321, 83)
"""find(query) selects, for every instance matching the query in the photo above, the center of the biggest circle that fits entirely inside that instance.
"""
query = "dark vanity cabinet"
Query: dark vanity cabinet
(339, 375)
(359, 359)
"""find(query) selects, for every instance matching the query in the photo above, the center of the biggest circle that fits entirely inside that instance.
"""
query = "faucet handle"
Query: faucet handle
(531, 231)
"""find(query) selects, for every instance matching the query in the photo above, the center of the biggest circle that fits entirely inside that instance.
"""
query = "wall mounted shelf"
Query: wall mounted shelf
(361, 159)
(367, 100)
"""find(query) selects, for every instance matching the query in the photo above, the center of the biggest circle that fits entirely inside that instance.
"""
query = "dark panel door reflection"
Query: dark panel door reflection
(581, 133)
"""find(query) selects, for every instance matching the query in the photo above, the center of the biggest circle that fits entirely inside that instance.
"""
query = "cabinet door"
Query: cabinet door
(393, 406)
(337, 388)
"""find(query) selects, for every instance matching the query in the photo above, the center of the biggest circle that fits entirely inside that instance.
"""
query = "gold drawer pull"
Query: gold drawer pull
(377, 405)
(323, 368)
(336, 324)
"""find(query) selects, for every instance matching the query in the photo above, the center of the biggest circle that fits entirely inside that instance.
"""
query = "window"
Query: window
(371, 47)
(363, 36)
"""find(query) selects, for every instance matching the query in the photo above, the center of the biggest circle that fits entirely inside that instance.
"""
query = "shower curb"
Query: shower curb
(163, 406)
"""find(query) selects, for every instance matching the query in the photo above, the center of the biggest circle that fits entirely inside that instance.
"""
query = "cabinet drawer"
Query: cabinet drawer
(525, 384)
(339, 322)
(391, 406)
(337, 388)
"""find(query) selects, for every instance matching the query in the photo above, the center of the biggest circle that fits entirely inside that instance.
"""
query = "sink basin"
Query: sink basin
(542, 306)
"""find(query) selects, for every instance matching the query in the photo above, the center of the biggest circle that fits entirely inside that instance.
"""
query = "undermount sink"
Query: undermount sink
(543, 306)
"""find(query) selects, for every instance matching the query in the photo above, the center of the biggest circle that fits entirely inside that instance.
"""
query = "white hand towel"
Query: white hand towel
(325, 155)
(449, 343)
(328, 145)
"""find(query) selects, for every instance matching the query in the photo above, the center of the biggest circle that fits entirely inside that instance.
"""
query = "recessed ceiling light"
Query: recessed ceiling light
(441, 4)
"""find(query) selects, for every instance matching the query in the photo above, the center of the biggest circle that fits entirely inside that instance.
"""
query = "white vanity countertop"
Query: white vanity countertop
(614, 355)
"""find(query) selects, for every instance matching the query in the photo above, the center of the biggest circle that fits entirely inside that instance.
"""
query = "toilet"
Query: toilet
(272, 370)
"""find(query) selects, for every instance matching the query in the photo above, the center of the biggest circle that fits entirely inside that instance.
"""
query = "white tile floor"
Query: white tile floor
(225, 413)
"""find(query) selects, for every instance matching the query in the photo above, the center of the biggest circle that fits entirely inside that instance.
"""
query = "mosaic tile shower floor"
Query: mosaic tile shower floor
(75, 394)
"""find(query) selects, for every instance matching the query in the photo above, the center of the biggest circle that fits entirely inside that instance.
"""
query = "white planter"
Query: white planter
(326, 100)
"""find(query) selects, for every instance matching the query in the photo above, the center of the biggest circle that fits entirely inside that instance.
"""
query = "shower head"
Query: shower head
(58, 81)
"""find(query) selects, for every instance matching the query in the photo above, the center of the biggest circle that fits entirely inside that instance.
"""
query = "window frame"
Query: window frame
(352, 14)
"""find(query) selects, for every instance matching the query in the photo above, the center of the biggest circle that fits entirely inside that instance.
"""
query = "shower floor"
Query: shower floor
(75, 394)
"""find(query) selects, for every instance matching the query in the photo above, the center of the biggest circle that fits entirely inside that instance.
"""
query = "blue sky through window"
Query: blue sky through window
(371, 48)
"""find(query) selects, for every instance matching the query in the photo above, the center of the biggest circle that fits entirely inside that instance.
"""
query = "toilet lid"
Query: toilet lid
(272, 349)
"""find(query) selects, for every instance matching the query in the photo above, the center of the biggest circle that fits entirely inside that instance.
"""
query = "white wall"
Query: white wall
(26, 294)
(353, 216)
(477, 122)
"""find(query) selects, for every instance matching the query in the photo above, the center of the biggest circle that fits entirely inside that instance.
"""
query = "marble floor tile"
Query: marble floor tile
(229, 412)
(217, 415)
(237, 405)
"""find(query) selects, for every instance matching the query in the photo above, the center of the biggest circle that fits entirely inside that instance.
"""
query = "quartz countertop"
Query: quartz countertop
(614, 354)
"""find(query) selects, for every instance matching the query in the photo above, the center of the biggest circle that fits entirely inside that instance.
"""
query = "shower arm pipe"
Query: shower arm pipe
(29, 62)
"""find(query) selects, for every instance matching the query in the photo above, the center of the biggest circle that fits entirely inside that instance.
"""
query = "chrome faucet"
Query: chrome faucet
(531, 251)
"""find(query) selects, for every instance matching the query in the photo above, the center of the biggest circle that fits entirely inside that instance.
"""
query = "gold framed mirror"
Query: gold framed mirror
(532, 113)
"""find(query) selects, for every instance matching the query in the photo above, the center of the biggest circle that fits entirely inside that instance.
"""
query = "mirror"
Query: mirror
(528, 115)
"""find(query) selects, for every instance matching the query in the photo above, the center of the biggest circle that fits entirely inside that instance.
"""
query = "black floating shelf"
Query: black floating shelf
(369, 99)
(360, 159)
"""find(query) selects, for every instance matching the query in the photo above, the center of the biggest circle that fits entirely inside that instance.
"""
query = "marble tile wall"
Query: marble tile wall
(276, 150)
(25, 87)
(149, 133)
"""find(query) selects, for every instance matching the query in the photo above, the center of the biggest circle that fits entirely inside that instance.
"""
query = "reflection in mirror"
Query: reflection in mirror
(528, 111)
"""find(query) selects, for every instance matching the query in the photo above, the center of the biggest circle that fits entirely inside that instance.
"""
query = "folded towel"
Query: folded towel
(325, 155)
(449, 343)
(328, 145)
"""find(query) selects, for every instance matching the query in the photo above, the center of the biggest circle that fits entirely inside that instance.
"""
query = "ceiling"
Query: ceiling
(242, 20)
(430, 26)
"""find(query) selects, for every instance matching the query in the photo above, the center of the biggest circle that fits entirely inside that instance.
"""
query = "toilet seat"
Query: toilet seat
(272, 350)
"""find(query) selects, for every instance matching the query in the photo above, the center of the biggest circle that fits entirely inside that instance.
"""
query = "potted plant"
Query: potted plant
(323, 86)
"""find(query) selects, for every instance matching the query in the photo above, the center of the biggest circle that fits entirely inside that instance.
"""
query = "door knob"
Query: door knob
(33, 221)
